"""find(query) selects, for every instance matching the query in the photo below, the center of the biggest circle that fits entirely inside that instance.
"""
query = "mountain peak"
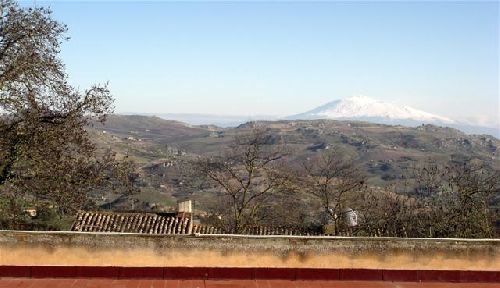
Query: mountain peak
(360, 99)
(366, 108)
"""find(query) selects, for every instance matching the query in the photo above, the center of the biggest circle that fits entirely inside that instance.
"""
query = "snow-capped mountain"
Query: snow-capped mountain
(369, 109)
(360, 108)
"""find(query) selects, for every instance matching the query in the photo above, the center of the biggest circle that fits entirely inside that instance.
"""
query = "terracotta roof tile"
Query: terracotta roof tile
(148, 223)
(151, 223)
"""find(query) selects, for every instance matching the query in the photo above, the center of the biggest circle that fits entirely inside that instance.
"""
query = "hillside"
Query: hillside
(145, 127)
(162, 147)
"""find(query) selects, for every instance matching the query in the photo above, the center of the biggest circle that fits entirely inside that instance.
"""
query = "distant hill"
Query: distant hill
(161, 148)
(211, 119)
(358, 108)
(150, 127)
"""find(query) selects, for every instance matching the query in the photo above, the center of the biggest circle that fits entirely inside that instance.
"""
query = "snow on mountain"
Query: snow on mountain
(366, 108)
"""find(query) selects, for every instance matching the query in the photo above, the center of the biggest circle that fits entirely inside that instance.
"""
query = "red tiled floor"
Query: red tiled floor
(303, 284)
(363, 284)
(118, 284)
(127, 283)
(96, 283)
(113, 283)
(172, 284)
(158, 283)
(191, 284)
(230, 284)
(150, 284)
(7, 283)
(65, 283)
(281, 283)
(262, 284)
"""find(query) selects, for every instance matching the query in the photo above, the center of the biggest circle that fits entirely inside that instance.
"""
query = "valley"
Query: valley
(163, 149)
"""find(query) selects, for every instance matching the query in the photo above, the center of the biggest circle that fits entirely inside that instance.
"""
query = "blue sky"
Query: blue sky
(277, 58)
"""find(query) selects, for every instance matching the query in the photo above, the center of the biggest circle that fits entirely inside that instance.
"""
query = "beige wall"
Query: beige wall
(86, 249)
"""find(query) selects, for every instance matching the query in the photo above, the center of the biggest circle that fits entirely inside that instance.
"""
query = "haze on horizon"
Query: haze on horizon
(286, 58)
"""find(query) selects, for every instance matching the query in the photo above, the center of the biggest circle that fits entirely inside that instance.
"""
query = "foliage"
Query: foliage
(15, 214)
(45, 152)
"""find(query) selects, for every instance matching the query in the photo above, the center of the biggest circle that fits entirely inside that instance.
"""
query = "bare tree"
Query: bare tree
(332, 178)
(467, 191)
(385, 213)
(453, 200)
(244, 178)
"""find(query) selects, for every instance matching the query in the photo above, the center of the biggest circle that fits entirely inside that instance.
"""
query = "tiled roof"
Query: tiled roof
(253, 230)
(267, 230)
(206, 229)
(148, 223)
(151, 223)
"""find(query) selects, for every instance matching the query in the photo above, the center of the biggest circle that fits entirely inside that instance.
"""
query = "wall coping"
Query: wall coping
(496, 241)
(74, 249)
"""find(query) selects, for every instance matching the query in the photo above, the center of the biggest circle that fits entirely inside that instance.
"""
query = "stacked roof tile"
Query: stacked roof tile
(267, 230)
(150, 223)
(206, 229)
(147, 223)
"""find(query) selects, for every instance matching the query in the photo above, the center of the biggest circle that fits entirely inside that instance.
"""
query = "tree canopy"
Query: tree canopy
(45, 150)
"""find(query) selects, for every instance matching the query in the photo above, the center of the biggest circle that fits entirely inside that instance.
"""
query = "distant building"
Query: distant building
(350, 217)
(31, 212)
(185, 208)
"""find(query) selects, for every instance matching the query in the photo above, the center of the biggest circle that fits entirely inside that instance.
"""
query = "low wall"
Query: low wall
(19, 248)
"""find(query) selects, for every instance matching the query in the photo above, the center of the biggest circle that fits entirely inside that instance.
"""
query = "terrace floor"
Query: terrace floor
(96, 283)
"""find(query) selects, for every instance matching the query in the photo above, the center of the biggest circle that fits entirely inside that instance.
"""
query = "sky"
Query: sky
(283, 58)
